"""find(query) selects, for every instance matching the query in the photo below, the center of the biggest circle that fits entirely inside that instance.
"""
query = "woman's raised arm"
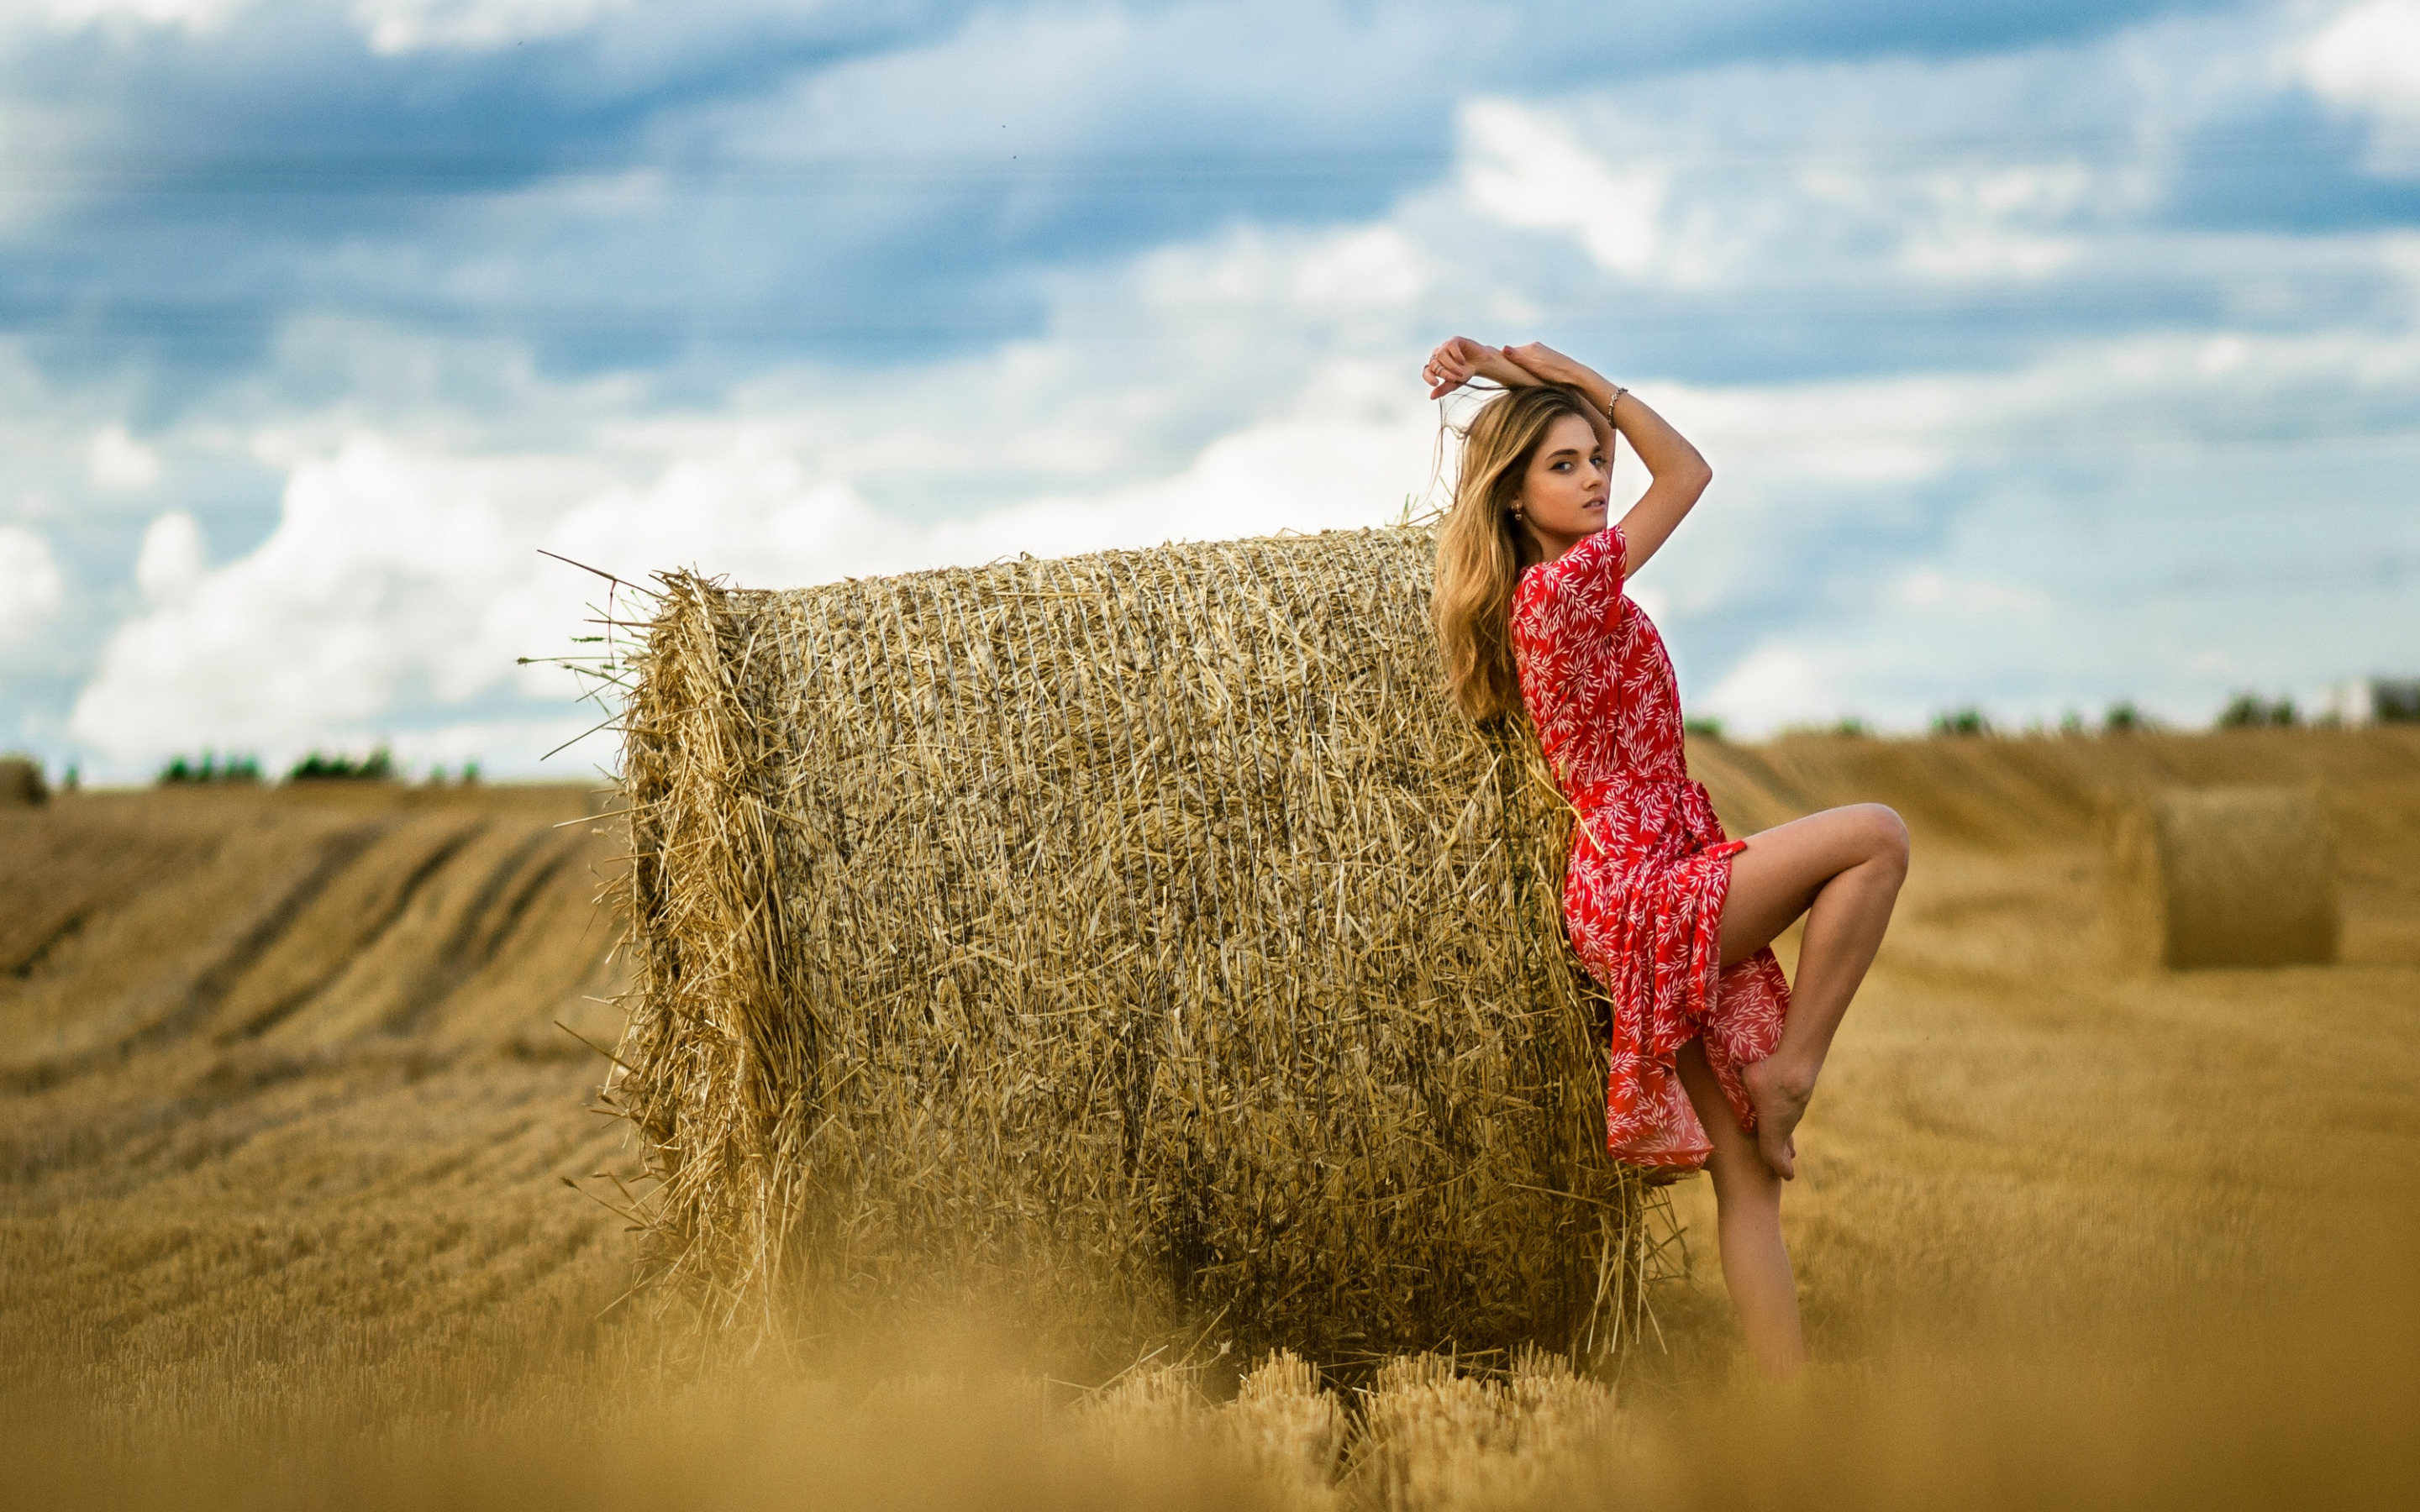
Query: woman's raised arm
(1679, 474)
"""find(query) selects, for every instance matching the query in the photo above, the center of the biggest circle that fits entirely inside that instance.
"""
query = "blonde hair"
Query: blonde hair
(1482, 548)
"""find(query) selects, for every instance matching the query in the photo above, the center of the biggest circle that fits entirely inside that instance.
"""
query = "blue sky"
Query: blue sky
(2047, 355)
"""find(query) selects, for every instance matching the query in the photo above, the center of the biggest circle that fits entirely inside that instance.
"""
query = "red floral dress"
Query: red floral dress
(1650, 865)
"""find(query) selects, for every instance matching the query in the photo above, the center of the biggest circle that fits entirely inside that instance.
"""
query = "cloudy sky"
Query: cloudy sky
(2047, 354)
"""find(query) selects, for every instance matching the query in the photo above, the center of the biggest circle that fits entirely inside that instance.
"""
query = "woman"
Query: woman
(1714, 1055)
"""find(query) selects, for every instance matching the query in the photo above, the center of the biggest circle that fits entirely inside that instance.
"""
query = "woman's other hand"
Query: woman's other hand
(1546, 365)
(1458, 359)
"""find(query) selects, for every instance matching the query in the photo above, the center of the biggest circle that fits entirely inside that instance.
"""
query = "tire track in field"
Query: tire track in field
(194, 1000)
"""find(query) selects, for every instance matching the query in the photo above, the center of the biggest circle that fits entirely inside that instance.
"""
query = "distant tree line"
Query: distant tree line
(315, 767)
(377, 766)
(208, 768)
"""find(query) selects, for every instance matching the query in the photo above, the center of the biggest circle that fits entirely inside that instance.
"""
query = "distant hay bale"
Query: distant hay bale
(21, 782)
(2225, 877)
(1143, 930)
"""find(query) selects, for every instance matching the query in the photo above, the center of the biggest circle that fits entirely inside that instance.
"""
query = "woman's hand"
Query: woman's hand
(1547, 365)
(1458, 359)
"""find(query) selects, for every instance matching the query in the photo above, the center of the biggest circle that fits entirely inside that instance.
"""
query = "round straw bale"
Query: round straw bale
(21, 782)
(1145, 931)
(2225, 877)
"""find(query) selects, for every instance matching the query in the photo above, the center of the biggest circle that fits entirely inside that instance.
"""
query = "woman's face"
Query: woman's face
(1563, 495)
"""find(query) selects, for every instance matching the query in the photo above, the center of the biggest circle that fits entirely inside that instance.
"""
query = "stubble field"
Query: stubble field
(295, 1080)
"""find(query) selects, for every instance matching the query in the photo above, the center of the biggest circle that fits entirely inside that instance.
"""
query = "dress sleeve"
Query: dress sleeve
(1588, 579)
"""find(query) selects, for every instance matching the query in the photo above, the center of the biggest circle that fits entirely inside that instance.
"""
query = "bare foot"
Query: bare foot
(1780, 1102)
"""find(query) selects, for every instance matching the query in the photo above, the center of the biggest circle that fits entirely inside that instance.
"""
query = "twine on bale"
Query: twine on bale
(1144, 930)
(2225, 877)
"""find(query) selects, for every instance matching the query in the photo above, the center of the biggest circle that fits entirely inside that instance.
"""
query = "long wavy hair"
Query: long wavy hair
(1482, 548)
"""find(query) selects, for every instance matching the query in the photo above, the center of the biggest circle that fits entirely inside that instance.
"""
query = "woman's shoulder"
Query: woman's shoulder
(1591, 556)
(1604, 550)
(1536, 578)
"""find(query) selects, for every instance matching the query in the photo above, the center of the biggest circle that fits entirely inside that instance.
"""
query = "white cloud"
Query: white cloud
(192, 15)
(399, 575)
(1307, 475)
(1983, 225)
(31, 586)
(173, 558)
(2104, 535)
(470, 26)
(2367, 62)
(1775, 686)
(118, 460)
(1252, 271)
(1931, 588)
(2368, 58)
(1525, 166)
(383, 565)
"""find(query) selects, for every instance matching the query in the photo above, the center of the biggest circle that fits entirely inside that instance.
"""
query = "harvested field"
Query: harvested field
(285, 1094)
(282, 1218)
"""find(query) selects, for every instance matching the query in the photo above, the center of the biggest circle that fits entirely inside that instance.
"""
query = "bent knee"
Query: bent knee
(1741, 1176)
(1883, 833)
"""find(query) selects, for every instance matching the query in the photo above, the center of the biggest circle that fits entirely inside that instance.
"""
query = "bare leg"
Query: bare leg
(1842, 869)
(1748, 1207)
